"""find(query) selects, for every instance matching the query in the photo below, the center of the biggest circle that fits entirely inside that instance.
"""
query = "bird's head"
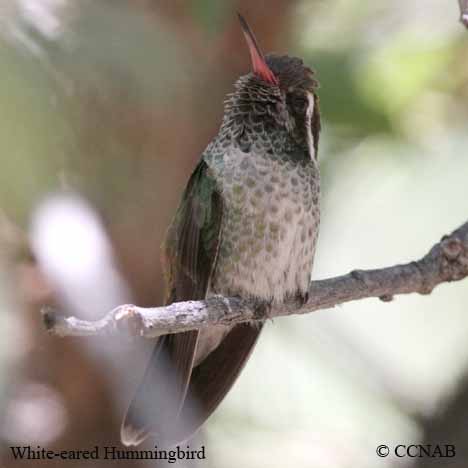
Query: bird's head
(278, 95)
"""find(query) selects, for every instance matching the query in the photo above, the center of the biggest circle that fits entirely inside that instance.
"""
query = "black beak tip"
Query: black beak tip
(243, 22)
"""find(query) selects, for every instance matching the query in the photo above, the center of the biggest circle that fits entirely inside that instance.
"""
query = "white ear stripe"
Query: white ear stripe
(309, 113)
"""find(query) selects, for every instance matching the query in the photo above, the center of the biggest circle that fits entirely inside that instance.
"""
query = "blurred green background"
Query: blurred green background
(116, 100)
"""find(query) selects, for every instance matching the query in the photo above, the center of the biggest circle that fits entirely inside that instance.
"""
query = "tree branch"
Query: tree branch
(446, 261)
(464, 12)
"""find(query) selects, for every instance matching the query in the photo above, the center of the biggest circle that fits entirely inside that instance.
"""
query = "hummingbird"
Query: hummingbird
(246, 226)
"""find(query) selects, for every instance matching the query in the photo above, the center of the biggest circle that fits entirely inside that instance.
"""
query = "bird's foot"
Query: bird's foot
(302, 298)
(262, 311)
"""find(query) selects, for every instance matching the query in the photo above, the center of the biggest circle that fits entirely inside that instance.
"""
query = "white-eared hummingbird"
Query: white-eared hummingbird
(246, 226)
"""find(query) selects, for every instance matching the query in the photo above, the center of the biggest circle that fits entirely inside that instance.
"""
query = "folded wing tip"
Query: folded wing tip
(132, 436)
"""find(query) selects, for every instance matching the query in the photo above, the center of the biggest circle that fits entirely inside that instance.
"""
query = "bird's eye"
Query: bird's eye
(300, 104)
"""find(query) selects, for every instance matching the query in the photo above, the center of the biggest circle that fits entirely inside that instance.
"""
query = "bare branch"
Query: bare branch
(446, 261)
(464, 12)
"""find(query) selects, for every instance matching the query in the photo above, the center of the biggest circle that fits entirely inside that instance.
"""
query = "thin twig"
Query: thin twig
(446, 261)
(464, 12)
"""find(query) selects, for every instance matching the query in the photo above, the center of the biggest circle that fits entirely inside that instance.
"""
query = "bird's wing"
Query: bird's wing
(189, 253)
(213, 378)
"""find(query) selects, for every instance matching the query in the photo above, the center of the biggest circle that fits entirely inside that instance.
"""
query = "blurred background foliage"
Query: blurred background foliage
(116, 100)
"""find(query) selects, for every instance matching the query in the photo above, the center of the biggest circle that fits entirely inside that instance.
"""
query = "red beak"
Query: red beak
(259, 66)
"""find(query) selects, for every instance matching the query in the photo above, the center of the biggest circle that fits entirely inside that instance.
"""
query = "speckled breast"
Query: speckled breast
(270, 224)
